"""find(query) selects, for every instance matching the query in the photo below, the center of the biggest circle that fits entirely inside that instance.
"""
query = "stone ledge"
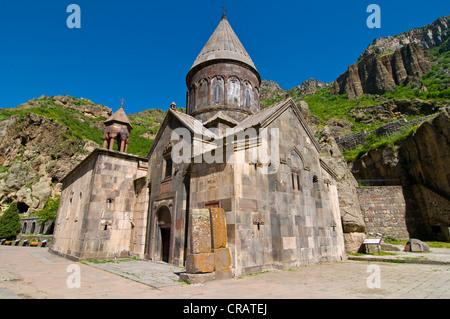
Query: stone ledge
(398, 260)
(206, 277)
(197, 278)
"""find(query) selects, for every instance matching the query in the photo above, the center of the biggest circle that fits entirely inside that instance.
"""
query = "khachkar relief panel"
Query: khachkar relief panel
(208, 258)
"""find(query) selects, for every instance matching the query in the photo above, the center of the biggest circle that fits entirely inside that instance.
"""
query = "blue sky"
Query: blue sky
(141, 50)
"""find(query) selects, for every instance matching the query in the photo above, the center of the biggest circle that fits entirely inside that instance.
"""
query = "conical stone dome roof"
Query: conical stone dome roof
(224, 45)
(120, 117)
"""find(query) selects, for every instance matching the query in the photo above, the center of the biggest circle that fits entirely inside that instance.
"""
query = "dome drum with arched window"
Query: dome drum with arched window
(223, 78)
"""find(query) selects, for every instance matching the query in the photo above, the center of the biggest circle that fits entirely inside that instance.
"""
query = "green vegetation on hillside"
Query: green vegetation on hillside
(325, 106)
(433, 86)
(81, 127)
(373, 142)
(48, 213)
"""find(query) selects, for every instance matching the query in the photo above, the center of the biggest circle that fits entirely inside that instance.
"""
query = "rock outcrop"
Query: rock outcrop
(378, 164)
(309, 87)
(394, 109)
(426, 38)
(420, 159)
(376, 74)
(352, 219)
(270, 90)
(425, 156)
(420, 165)
(270, 86)
(35, 153)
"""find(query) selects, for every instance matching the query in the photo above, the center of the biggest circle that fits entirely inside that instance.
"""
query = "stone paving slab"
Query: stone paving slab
(153, 274)
(45, 276)
(8, 276)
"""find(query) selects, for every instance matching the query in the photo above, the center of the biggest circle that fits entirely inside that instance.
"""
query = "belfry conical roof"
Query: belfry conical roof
(223, 44)
(119, 116)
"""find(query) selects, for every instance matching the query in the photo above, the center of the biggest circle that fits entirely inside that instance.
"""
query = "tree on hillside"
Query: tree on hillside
(49, 211)
(9, 223)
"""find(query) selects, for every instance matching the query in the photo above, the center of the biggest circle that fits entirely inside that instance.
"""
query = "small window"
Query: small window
(168, 168)
(191, 103)
(298, 182)
(248, 98)
(293, 181)
(217, 93)
(106, 227)
(109, 203)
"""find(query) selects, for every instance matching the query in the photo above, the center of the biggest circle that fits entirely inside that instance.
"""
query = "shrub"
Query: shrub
(49, 211)
(9, 223)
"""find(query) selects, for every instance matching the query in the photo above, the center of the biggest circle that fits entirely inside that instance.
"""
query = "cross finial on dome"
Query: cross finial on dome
(121, 104)
(224, 16)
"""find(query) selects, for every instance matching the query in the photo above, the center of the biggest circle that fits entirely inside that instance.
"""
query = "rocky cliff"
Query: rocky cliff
(35, 153)
(308, 87)
(420, 165)
(421, 158)
(426, 38)
(45, 138)
(375, 74)
(395, 109)
(425, 156)
(352, 219)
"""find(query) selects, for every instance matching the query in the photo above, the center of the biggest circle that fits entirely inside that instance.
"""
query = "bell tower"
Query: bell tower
(223, 78)
(117, 128)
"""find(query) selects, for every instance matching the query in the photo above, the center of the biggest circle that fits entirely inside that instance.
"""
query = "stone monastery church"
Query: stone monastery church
(217, 217)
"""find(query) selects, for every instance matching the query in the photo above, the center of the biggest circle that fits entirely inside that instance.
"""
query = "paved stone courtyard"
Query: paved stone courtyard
(34, 273)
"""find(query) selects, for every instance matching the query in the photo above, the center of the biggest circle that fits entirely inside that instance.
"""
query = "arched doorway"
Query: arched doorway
(163, 220)
(33, 227)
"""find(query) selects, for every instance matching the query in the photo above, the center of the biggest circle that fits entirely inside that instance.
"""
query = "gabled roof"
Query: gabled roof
(119, 116)
(188, 121)
(264, 117)
(259, 120)
(195, 126)
(221, 116)
(224, 45)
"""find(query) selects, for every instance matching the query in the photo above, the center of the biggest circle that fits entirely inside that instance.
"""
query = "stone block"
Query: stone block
(353, 242)
(416, 245)
(200, 231)
(223, 274)
(388, 247)
(197, 278)
(218, 228)
(222, 259)
(200, 263)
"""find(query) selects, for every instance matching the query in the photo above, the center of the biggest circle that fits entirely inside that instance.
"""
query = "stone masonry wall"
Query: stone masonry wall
(97, 205)
(384, 210)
